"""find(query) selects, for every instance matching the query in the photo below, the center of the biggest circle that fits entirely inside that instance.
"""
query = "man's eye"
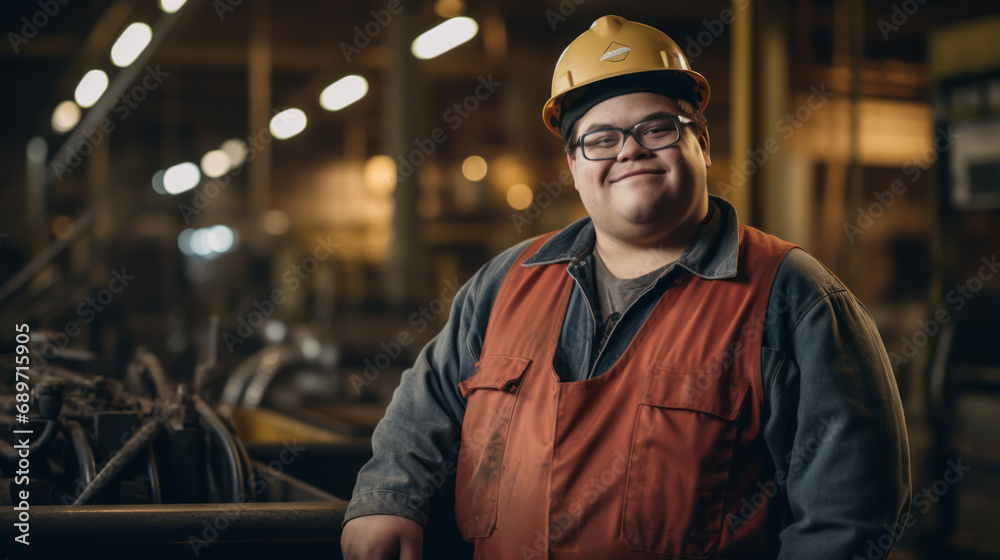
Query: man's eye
(657, 131)
(600, 140)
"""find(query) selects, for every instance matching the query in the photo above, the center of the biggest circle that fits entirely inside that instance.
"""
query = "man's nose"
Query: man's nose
(631, 149)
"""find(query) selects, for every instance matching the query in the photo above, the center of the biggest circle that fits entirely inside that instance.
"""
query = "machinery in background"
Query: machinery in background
(963, 371)
(146, 465)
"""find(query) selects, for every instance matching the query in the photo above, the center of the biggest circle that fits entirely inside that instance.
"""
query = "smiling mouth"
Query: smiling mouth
(637, 173)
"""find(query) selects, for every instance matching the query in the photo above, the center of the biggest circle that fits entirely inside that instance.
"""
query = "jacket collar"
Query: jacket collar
(711, 255)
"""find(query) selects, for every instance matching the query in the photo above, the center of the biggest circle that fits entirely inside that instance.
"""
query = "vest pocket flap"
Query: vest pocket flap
(496, 372)
(711, 392)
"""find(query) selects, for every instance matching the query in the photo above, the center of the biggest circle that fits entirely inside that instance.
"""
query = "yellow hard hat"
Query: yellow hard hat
(615, 46)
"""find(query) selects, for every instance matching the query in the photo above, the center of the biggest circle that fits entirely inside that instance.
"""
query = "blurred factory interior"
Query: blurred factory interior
(270, 205)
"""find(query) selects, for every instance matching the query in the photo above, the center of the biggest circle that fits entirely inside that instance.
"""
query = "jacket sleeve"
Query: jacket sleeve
(416, 444)
(835, 430)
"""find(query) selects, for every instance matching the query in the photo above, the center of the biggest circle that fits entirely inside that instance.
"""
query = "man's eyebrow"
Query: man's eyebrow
(649, 117)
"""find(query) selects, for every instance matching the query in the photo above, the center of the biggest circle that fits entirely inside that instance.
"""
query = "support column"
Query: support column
(855, 174)
(781, 200)
(37, 154)
(406, 268)
(741, 99)
(259, 94)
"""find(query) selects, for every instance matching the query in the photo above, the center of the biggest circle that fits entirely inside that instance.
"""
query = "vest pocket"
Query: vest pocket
(491, 393)
(681, 456)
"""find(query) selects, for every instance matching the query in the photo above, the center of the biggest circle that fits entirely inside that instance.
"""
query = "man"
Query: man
(655, 381)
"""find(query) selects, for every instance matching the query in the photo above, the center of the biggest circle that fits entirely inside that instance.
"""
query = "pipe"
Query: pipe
(119, 461)
(74, 378)
(85, 461)
(214, 495)
(148, 527)
(245, 457)
(80, 226)
(274, 356)
(153, 471)
(228, 444)
(156, 373)
(204, 368)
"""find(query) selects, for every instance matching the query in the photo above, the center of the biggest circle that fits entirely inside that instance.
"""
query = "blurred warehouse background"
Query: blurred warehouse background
(272, 204)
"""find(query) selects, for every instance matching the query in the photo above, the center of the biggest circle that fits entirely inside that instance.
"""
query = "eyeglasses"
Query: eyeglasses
(654, 134)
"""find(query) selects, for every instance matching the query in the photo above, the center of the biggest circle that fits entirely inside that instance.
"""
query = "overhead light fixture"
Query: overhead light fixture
(288, 123)
(474, 168)
(184, 241)
(199, 242)
(380, 174)
(65, 117)
(62, 226)
(215, 163)
(158, 182)
(275, 222)
(90, 88)
(130, 44)
(208, 242)
(444, 37)
(37, 149)
(449, 8)
(220, 238)
(343, 92)
(171, 6)
(181, 177)
(236, 150)
(519, 196)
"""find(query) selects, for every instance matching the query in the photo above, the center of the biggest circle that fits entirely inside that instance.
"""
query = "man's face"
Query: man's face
(642, 195)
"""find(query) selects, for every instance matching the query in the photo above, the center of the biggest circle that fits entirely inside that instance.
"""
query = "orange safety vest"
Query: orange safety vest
(660, 456)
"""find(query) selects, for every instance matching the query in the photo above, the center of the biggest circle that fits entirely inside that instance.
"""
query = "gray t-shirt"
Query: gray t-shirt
(614, 294)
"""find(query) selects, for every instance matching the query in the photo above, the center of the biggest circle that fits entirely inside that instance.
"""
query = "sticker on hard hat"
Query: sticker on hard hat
(616, 54)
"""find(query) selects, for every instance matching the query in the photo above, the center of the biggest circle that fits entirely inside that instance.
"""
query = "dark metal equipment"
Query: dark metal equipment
(144, 466)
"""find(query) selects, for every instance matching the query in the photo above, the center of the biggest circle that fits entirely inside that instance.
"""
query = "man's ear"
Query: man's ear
(571, 161)
(706, 146)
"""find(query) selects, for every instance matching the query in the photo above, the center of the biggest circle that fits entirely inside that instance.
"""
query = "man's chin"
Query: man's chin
(638, 225)
(643, 213)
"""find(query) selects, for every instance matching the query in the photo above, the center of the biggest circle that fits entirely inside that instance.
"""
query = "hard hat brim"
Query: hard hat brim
(553, 109)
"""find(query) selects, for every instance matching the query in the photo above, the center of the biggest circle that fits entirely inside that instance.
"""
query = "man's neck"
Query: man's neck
(632, 258)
